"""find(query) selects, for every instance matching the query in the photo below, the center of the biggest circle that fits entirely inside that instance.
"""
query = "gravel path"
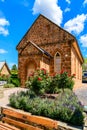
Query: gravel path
(5, 100)
(82, 94)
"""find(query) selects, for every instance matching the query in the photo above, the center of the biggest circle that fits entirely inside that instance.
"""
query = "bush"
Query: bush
(65, 107)
(40, 82)
(77, 117)
(9, 86)
(52, 84)
(13, 79)
(65, 80)
(4, 77)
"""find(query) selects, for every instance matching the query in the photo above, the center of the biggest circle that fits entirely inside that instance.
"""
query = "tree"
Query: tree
(14, 76)
(84, 67)
(14, 67)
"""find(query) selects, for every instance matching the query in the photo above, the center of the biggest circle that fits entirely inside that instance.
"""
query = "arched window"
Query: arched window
(57, 63)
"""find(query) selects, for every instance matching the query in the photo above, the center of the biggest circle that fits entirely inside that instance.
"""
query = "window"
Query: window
(57, 63)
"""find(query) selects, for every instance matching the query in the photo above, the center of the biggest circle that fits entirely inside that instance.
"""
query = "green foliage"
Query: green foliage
(84, 66)
(77, 117)
(65, 81)
(14, 69)
(52, 84)
(4, 77)
(9, 86)
(13, 79)
(40, 82)
(65, 107)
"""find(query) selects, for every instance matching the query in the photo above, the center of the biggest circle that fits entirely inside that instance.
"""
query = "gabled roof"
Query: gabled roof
(49, 21)
(40, 49)
(2, 64)
(71, 39)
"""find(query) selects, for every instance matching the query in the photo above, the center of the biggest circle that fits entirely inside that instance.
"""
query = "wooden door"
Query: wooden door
(30, 69)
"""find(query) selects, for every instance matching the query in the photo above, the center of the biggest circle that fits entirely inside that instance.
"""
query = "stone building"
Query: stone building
(46, 45)
(4, 69)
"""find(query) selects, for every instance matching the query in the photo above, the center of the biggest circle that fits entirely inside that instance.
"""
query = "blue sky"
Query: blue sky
(16, 17)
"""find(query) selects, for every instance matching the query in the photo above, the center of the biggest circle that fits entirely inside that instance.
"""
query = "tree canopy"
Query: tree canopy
(14, 69)
(85, 65)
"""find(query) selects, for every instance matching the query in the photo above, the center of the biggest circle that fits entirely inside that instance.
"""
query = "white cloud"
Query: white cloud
(85, 2)
(83, 40)
(67, 10)
(2, 51)
(68, 1)
(4, 31)
(3, 24)
(50, 9)
(76, 25)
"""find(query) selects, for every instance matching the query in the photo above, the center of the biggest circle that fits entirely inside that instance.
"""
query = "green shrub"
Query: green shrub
(4, 77)
(14, 101)
(77, 117)
(52, 84)
(40, 82)
(65, 107)
(65, 81)
(37, 82)
(9, 86)
(13, 79)
(16, 82)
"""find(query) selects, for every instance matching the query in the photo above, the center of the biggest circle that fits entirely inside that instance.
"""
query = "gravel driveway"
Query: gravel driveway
(82, 94)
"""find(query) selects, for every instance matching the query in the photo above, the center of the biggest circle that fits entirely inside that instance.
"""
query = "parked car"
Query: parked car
(84, 77)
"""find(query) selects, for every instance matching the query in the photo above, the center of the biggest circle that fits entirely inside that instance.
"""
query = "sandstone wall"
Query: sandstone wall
(52, 39)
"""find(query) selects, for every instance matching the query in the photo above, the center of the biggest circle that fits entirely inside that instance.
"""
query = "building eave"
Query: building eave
(77, 48)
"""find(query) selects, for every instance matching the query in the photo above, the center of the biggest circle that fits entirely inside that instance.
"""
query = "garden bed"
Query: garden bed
(48, 97)
(65, 107)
